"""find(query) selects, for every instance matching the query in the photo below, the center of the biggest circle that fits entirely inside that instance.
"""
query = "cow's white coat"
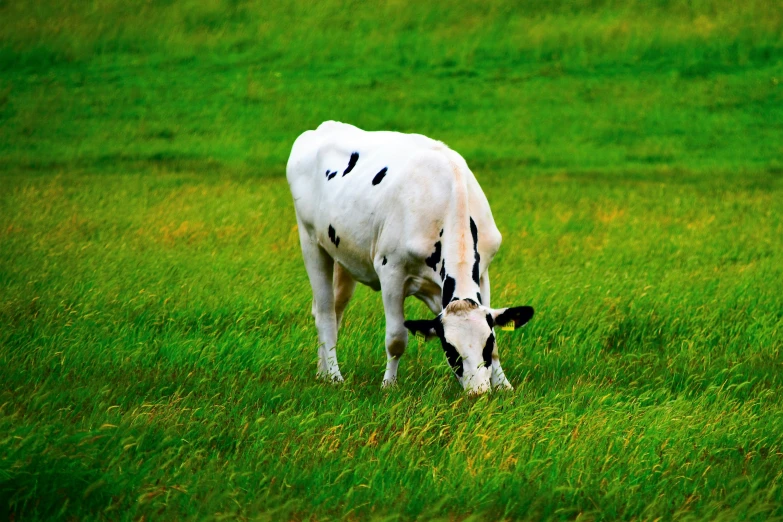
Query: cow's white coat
(383, 234)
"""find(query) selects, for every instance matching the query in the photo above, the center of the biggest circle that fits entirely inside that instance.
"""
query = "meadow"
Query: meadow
(157, 353)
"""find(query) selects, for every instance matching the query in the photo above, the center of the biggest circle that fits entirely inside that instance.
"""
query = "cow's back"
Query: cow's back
(362, 194)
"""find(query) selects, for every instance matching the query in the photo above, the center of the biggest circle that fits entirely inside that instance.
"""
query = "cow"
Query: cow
(403, 214)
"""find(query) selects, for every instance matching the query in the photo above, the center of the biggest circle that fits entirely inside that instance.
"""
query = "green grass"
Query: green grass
(157, 356)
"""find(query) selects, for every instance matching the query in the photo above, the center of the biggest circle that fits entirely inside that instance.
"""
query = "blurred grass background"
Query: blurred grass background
(157, 355)
(541, 85)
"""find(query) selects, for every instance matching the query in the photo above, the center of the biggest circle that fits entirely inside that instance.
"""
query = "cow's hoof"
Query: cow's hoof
(477, 391)
(389, 383)
(503, 386)
(332, 378)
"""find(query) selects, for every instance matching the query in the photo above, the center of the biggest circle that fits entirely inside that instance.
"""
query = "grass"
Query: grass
(157, 356)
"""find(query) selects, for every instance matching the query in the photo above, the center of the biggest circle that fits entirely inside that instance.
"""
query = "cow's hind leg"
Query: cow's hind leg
(392, 290)
(344, 285)
(320, 268)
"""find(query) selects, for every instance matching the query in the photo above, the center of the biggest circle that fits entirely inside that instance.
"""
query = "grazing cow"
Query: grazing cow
(403, 214)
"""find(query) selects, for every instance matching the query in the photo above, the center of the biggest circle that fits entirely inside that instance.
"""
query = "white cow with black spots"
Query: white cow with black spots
(403, 214)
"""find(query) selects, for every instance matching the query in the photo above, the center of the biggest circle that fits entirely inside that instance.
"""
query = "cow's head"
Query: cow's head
(465, 331)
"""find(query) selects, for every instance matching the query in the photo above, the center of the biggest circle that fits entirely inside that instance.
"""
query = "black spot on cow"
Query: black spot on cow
(351, 163)
(455, 361)
(443, 270)
(476, 256)
(441, 233)
(452, 355)
(333, 236)
(448, 290)
(490, 321)
(489, 347)
(478, 295)
(434, 259)
(330, 175)
(327, 173)
(379, 177)
(471, 301)
(384, 260)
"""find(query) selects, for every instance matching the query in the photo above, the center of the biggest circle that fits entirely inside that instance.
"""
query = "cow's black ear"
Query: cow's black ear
(425, 327)
(516, 316)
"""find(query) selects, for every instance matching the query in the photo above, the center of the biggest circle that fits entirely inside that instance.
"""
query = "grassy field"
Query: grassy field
(157, 356)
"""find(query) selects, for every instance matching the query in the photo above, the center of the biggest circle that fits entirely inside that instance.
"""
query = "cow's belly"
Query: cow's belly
(358, 246)
(359, 269)
(350, 247)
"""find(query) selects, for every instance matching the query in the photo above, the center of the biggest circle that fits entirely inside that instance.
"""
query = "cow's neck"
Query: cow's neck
(460, 270)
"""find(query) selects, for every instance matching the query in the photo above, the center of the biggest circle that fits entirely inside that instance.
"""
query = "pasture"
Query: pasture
(157, 353)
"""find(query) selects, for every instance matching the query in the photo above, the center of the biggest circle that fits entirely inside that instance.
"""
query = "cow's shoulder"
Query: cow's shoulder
(489, 237)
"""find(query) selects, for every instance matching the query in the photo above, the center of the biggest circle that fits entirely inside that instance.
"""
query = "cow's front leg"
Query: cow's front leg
(498, 378)
(320, 268)
(392, 290)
